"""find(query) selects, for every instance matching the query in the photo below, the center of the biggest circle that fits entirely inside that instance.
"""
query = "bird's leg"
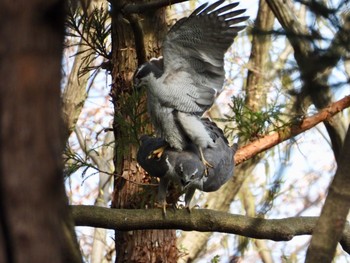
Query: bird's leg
(164, 208)
(163, 205)
(157, 152)
(205, 162)
(162, 190)
(188, 197)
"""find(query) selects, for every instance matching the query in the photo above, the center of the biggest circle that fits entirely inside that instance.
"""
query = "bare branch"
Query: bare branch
(203, 220)
(87, 148)
(139, 40)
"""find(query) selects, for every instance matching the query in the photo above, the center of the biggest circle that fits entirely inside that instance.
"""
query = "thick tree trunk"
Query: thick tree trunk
(33, 206)
(129, 32)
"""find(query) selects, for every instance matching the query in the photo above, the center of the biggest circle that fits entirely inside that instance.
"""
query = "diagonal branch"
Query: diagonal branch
(202, 220)
(268, 141)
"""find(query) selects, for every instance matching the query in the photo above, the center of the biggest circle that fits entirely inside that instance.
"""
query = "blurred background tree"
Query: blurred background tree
(290, 62)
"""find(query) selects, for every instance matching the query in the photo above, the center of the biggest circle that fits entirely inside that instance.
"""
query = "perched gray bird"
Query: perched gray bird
(185, 168)
(184, 83)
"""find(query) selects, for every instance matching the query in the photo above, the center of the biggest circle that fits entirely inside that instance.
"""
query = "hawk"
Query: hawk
(185, 168)
(184, 83)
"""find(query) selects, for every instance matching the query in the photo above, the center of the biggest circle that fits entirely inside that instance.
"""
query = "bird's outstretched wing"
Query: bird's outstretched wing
(193, 52)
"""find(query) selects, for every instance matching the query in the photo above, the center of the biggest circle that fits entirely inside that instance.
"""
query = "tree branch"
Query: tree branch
(259, 58)
(268, 141)
(74, 93)
(202, 220)
(330, 226)
(314, 67)
(139, 40)
(296, 32)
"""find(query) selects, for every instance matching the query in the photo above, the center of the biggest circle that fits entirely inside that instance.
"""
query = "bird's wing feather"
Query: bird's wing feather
(193, 54)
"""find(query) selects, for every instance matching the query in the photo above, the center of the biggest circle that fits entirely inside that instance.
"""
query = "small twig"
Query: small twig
(86, 148)
(139, 40)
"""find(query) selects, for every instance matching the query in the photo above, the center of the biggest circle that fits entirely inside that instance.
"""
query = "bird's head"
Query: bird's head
(148, 71)
(189, 172)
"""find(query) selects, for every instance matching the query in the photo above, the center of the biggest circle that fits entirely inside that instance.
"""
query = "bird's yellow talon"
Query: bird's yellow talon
(205, 162)
(157, 153)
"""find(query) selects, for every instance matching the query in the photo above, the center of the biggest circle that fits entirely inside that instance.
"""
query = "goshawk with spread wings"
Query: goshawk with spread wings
(184, 83)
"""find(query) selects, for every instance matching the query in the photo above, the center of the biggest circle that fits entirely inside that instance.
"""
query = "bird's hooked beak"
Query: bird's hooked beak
(184, 184)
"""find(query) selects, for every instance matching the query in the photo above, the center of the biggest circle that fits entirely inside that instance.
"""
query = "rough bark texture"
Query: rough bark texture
(329, 228)
(134, 38)
(33, 207)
